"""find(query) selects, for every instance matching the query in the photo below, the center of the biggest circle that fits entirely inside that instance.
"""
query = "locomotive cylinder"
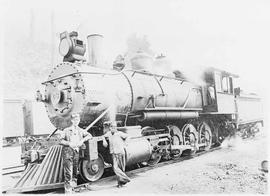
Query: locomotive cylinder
(138, 150)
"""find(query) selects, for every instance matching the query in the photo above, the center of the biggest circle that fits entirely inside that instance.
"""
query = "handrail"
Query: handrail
(98, 118)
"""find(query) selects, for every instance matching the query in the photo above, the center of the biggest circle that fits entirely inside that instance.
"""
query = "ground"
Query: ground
(233, 169)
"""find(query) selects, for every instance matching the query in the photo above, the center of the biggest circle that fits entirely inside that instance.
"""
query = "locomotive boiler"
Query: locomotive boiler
(165, 116)
(80, 88)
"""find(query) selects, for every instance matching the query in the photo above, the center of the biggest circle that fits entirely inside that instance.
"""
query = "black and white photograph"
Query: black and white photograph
(109, 97)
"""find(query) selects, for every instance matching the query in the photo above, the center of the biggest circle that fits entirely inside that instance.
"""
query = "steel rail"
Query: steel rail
(87, 186)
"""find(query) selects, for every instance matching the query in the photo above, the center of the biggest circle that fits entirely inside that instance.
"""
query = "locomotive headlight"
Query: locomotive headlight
(64, 47)
(70, 47)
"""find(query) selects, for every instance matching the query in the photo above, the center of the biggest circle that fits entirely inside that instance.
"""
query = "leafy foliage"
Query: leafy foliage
(26, 65)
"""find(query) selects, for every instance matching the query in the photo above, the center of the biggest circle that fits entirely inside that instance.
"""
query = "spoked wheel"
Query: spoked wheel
(177, 139)
(92, 170)
(205, 135)
(155, 157)
(190, 137)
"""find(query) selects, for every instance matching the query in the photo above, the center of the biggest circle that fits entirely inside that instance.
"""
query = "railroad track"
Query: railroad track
(87, 186)
(13, 170)
(103, 181)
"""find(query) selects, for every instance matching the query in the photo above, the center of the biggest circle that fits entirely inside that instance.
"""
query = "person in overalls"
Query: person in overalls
(117, 144)
(72, 138)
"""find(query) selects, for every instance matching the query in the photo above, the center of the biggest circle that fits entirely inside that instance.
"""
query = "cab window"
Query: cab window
(231, 85)
(224, 83)
(227, 86)
(218, 82)
(211, 98)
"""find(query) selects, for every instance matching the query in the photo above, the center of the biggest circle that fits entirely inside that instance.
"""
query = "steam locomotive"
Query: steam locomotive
(165, 116)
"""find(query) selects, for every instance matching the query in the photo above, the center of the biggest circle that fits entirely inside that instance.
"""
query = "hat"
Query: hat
(264, 166)
(74, 115)
(110, 123)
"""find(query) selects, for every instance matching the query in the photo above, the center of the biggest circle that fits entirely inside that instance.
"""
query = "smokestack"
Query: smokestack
(95, 42)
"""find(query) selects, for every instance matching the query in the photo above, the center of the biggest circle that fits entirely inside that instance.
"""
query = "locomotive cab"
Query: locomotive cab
(209, 93)
(218, 93)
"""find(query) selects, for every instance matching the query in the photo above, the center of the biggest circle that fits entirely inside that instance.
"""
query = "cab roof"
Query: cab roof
(223, 72)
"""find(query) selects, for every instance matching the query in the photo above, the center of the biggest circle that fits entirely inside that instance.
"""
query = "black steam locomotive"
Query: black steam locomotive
(165, 116)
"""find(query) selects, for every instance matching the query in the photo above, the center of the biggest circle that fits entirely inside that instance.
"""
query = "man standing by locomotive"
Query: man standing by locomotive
(72, 138)
(117, 149)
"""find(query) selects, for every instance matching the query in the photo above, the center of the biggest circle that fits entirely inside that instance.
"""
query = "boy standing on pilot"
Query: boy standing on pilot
(117, 144)
(72, 138)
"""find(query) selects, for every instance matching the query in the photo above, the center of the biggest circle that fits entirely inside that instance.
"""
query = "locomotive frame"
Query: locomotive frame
(160, 132)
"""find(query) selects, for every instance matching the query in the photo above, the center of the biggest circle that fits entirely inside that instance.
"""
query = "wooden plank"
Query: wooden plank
(43, 166)
(28, 181)
(60, 177)
(26, 174)
(49, 169)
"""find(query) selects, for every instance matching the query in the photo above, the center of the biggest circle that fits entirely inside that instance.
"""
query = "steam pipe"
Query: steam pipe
(167, 115)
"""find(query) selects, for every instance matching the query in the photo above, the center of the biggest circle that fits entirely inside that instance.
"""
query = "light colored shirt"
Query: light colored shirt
(74, 134)
(117, 143)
